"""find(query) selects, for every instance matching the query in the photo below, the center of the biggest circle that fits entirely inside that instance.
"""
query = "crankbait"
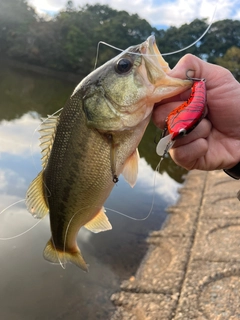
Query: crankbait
(184, 118)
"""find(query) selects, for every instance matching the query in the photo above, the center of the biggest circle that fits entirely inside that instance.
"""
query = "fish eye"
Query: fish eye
(123, 65)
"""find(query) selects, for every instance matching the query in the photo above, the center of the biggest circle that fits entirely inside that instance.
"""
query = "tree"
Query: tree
(174, 39)
(122, 30)
(231, 61)
(68, 42)
(75, 35)
(16, 18)
(221, 36)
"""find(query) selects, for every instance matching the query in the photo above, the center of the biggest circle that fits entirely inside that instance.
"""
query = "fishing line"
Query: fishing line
(192, 44)
(29, 229)
(121, 50)
(156, 171)
(62, 264)
(98, 49)
(157, 168)
(153, 198)
(163, 54)
(22, 233)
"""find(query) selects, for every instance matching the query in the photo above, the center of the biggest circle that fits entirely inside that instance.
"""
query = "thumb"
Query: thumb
(193, 67)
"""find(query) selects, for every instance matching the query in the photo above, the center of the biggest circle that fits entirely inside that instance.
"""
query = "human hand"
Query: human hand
(215, 142)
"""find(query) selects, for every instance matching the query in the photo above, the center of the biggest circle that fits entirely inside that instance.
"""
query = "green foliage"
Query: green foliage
(222, 35)
(80, 31)
(174, 39)
(16, 18)
(231, 61)
(68, 42)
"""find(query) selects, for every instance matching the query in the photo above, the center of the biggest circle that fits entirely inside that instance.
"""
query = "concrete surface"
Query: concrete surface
(192, 268)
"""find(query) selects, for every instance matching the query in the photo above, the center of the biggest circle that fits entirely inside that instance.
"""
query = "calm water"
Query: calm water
(30, 287)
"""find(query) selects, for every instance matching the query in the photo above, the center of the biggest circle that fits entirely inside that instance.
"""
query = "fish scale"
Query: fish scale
(93, 141)
(80, 193)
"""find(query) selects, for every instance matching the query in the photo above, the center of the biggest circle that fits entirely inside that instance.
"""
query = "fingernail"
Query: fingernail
(190, 73)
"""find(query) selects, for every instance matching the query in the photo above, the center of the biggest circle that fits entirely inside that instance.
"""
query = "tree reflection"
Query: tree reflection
(24, 91)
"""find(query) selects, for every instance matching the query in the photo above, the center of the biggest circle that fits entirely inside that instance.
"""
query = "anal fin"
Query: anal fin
(99, 223)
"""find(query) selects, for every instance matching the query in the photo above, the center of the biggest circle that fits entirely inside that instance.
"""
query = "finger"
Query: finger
(190, 156)
(161, 112)
(202, 130)
(192, 66)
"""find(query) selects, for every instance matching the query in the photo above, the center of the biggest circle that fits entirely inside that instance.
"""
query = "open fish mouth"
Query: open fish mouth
(150, 49)
(158, 70)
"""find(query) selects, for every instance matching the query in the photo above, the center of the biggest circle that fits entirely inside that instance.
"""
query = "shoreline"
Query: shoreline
(66, 76)
(192, 267)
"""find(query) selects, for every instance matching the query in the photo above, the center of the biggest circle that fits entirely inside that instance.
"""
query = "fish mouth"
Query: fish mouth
(150, 49)
(158, 72)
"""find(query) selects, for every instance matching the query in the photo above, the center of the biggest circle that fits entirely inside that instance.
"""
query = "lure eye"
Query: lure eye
(182, 132)
(123, 65)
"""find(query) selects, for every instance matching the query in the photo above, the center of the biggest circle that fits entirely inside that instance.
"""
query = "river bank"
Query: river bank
(66, 76)
(192, 267)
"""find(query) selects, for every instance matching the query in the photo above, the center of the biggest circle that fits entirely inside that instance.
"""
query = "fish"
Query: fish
(93, 141)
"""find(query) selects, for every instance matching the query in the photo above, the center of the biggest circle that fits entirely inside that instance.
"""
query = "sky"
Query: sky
(159, 13)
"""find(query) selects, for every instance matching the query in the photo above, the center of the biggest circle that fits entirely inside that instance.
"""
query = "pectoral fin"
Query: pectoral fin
(130, 170)
(35, 198)
(99, 223)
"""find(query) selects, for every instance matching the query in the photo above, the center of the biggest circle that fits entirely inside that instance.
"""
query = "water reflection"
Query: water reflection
(32, 288)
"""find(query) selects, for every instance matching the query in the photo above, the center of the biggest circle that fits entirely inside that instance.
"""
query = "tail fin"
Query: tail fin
(56, 256)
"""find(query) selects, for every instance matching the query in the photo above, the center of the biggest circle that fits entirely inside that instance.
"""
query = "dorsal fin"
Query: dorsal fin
(47, 134)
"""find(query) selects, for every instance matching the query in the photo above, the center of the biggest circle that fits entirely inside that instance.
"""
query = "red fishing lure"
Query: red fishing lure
(184, 118)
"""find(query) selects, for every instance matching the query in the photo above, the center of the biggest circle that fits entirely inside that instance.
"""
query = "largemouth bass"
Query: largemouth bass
(93, 141)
